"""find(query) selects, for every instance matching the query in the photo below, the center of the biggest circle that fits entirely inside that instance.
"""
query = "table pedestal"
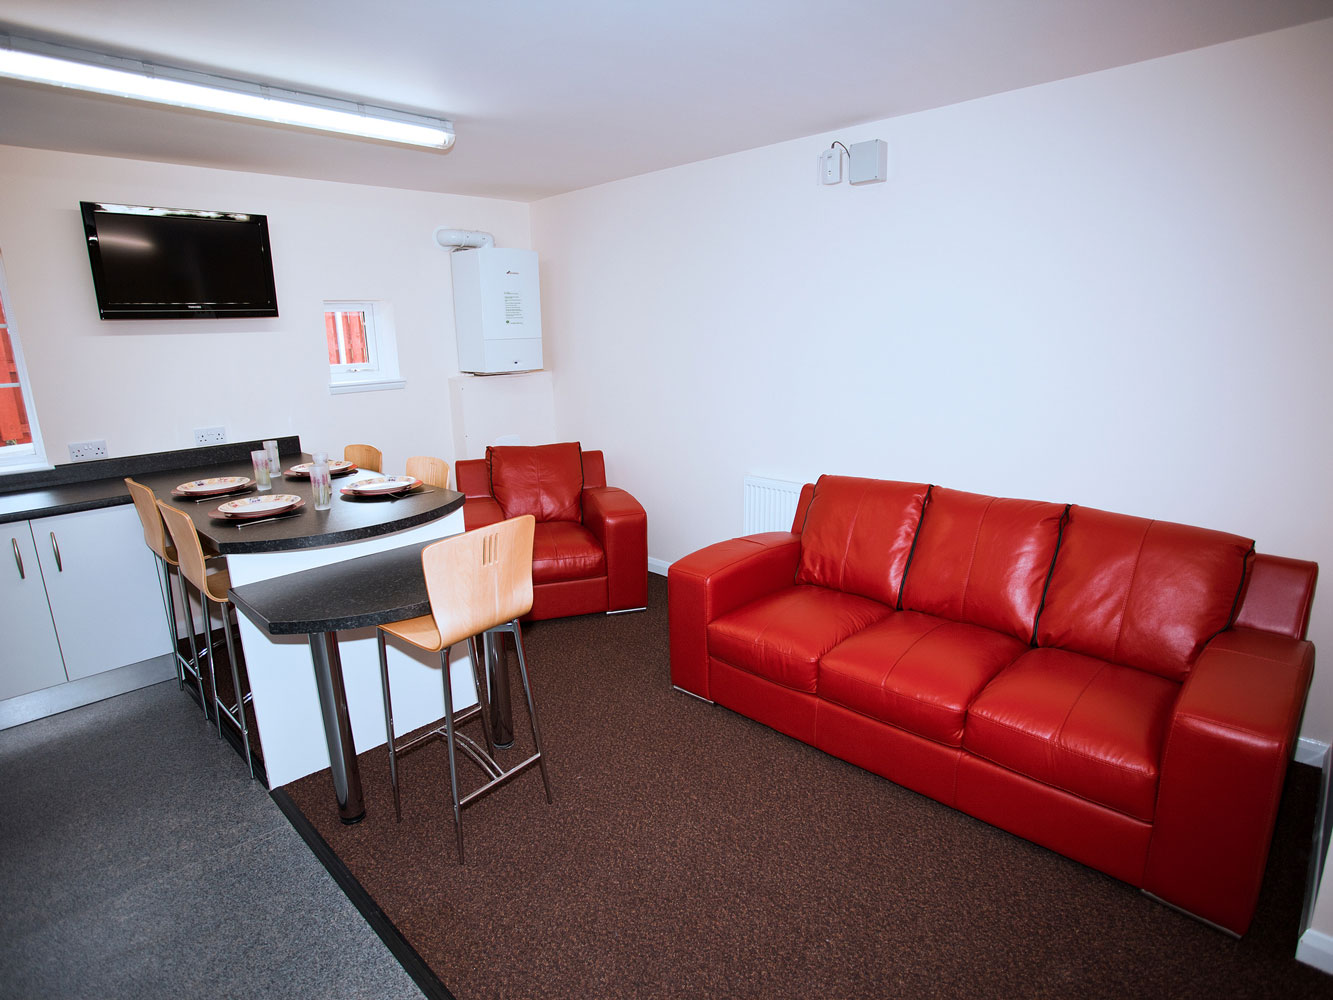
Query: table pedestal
(337, 726)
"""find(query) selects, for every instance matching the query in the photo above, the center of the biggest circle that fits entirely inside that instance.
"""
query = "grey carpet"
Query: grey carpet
(138, 859)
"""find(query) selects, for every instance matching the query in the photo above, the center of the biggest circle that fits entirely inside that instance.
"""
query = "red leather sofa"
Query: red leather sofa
(590, 550)
(1125, 691)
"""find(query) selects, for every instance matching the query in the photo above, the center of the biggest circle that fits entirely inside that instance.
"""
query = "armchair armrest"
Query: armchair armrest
(619, 523)
(1222, 771)
(713, 581)
(481, 511)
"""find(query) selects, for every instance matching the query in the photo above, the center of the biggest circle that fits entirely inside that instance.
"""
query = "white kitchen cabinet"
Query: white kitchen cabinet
(31, 659)
(100, 603)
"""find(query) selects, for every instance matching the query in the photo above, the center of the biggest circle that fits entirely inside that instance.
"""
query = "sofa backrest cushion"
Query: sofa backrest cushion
(545, 481)
(983, 560)
(1143, 593)
(858, 534)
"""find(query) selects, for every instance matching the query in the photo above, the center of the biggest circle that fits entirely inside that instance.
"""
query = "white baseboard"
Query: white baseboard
(1312, 752)
(658, 566)
(1316, 948)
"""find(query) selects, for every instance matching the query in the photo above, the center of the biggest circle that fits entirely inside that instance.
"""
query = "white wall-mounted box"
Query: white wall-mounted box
(497, 310)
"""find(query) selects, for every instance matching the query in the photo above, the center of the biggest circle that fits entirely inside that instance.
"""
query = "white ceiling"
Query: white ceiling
(550, 97)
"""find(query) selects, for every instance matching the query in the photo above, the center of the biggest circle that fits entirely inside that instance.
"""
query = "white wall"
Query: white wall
(1113, 290)
(145, 385)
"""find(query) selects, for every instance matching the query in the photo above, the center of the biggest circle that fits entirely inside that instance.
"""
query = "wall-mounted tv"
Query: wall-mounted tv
(171, 263)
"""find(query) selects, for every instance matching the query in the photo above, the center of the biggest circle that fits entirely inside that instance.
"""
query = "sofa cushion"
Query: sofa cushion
(1082, 724)
(545, 481)
(563, 550)
(1148, 594)
(916, 671)
(781, 637)
(858, 534)
(983, 560)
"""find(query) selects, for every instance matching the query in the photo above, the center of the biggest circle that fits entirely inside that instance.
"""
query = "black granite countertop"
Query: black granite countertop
(101, 483)
(328, 598)
(348, 520)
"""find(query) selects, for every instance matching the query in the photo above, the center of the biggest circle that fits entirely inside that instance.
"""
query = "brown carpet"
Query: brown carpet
(691, 852)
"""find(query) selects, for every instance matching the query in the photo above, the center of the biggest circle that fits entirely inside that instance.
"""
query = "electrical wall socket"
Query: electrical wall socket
(204, 436)
(82, 451)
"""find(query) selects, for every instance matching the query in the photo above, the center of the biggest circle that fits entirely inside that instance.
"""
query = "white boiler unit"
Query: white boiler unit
(497, 310)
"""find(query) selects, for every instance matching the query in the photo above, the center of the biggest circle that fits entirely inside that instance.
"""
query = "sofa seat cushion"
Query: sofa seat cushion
(781, 636)
(1081, 724)
(916, 672)
(563, 550)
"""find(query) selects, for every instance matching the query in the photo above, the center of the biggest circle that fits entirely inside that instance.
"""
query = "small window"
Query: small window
(362, 352)
(20, 440)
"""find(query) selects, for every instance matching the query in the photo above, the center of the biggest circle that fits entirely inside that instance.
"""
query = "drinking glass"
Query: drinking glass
(260, 461)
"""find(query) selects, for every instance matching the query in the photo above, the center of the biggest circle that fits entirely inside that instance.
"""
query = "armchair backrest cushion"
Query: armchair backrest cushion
(545, 481)
(983, 560)
(858, 534)
(1143, 593)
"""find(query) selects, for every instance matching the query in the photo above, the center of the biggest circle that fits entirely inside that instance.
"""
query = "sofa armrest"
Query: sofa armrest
(713, 581)
(620, 524)
(481, 511)
(1224, 763)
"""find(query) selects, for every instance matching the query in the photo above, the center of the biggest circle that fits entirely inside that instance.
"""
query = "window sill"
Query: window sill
(368, 385)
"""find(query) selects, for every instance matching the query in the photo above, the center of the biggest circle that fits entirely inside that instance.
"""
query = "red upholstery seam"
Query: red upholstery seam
(1138, 559)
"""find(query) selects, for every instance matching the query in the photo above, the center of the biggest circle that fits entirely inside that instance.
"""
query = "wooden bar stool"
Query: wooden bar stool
(431, 471)
(366, 456)
(478, 582)
(212, 586)
(155, 534)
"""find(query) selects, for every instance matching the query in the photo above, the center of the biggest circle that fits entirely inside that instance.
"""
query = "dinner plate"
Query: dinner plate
(382, 484)
(338, 468)
(212, 487)
(260, 506)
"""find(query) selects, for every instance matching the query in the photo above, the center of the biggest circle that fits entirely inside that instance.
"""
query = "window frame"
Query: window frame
(32, 456)
(380, 370)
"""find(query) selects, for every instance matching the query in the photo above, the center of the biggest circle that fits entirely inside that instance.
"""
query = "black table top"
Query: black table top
(348, 520)
(368, 590)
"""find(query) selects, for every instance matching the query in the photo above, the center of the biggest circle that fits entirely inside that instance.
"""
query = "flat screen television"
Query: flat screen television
(171, 263)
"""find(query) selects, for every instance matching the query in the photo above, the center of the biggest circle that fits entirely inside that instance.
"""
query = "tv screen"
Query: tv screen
(170, 263)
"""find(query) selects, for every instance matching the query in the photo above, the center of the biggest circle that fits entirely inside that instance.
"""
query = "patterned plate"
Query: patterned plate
(212, 487)
(338, 468)
(260, 506)
(382, 484)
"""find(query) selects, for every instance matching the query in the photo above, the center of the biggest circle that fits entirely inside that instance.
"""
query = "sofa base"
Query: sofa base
(1194, 916)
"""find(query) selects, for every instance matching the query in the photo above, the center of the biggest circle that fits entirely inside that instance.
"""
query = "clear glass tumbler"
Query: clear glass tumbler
(260, 461)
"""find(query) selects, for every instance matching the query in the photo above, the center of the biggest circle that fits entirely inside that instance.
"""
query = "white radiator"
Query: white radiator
(770, 504)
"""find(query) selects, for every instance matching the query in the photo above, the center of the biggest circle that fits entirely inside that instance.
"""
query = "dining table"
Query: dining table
(310, 586)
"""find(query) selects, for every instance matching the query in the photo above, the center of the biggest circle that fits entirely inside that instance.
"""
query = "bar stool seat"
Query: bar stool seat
(212, 584)
(168, 567)
(478, 582)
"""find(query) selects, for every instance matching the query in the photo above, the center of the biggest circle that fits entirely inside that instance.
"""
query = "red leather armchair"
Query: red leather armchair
(590, 551)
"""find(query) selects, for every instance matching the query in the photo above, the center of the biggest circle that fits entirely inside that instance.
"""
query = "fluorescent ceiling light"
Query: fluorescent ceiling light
(63, 66)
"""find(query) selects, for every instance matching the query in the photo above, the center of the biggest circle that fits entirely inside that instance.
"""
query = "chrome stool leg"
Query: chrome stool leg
(532, 708)
(388, 725)
(241, 697)
(449, 740)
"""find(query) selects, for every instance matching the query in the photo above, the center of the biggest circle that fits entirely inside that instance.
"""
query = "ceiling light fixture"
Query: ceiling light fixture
(80, 69)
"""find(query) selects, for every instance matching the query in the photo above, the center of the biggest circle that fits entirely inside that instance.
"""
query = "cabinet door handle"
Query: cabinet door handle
(55, 547)
(18, 558)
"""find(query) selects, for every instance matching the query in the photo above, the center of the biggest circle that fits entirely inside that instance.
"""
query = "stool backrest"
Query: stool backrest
(366, 456)
(188, 550)
(481, 578)
(154, 531)
(430, 470)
